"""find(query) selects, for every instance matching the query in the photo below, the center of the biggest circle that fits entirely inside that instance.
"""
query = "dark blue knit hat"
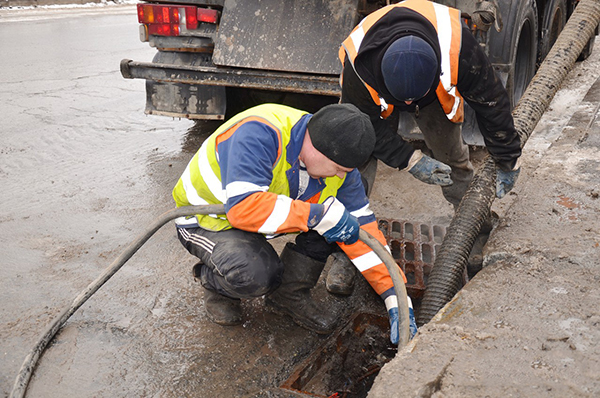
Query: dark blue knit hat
(409, 67)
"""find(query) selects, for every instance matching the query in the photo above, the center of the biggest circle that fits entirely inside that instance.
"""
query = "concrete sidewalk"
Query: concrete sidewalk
(529, 323)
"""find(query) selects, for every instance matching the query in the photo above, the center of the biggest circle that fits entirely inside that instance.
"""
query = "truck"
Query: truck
(216, 58)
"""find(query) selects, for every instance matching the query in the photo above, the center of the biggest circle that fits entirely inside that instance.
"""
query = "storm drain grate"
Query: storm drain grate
(414, 246)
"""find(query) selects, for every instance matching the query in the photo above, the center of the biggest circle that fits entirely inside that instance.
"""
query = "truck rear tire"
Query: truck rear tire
(553, 21)
(524, 51)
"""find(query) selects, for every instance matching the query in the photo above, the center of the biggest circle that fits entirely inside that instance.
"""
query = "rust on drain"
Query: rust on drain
(414, 247)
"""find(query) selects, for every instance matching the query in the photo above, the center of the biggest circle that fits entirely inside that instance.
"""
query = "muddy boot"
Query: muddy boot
(368, 171)
(220, 309)
(293, 297)
(340, 278)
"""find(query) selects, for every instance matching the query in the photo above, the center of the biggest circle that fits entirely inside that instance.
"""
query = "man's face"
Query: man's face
(408, 102)
(320, 166)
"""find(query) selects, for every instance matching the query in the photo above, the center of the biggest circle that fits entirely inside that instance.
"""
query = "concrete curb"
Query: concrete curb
(521, 326)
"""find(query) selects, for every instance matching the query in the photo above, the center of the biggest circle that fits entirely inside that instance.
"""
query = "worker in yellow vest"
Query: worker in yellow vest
(417, 56)
(280, 170)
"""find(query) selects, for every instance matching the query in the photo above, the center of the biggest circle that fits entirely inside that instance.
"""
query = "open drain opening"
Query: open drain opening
(347, 364)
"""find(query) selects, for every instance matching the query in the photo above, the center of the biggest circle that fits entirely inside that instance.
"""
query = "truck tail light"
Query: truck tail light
(207, 15)
(172, 20)
(163, 29)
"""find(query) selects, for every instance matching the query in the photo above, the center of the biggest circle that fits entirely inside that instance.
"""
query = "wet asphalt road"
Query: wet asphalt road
(83, 172)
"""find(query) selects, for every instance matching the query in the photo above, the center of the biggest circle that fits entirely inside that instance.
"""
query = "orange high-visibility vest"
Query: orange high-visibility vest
(447, 24)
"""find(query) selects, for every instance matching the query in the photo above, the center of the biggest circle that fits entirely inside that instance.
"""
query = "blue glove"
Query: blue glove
(337, 224)
(429, 170)
(413, 321)
(505, 181)
(395, 320)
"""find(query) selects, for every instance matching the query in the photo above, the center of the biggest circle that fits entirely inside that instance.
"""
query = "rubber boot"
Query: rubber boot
(220, 309)
(340, 278)
(368, 171)
(293, 297)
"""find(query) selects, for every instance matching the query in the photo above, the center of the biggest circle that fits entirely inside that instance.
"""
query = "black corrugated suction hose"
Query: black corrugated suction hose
(446, 276)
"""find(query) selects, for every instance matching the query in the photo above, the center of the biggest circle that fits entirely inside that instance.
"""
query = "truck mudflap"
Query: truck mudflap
(291, 35)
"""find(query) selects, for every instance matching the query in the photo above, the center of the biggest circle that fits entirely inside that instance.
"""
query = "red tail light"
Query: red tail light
(163, 29)
(171, 20)
(207, 15)
(191, 17)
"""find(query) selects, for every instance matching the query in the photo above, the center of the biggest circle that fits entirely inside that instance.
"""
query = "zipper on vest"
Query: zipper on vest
(416, 110)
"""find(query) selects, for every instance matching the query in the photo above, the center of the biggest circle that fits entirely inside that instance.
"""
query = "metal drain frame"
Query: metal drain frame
(310, 377)
(414, 247)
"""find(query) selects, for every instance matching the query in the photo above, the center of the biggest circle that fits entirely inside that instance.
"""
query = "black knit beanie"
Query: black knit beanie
(342, 133)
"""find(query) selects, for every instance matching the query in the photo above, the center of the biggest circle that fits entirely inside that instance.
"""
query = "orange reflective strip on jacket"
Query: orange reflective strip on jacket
(261, 205)
(449, 97)
(375, 272)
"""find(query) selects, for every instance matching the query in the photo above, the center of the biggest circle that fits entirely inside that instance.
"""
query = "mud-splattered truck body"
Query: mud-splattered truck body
(217, 57)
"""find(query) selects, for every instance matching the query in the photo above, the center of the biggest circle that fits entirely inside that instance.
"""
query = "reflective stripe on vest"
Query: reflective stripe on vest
(447, 24)
(201, 183)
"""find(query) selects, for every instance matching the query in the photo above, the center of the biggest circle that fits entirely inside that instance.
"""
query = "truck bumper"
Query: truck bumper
(198, 92)
(233, 77)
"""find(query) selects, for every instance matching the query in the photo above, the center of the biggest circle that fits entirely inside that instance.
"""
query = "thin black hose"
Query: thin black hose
(399, 287)
(32, 358)
(450, 264)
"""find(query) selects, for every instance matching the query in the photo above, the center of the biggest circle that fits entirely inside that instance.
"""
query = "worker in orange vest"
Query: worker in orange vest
(418, 56)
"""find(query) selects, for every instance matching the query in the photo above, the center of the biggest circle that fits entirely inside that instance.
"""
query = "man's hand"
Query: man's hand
(429, 170)
(391, 304)
(337, 224)
(505, 180)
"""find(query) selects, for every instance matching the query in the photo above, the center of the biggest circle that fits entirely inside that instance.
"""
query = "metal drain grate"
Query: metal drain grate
(414, 246)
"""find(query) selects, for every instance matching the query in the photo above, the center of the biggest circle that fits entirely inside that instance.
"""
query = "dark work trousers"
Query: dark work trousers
(444, 139)
(241, 264)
